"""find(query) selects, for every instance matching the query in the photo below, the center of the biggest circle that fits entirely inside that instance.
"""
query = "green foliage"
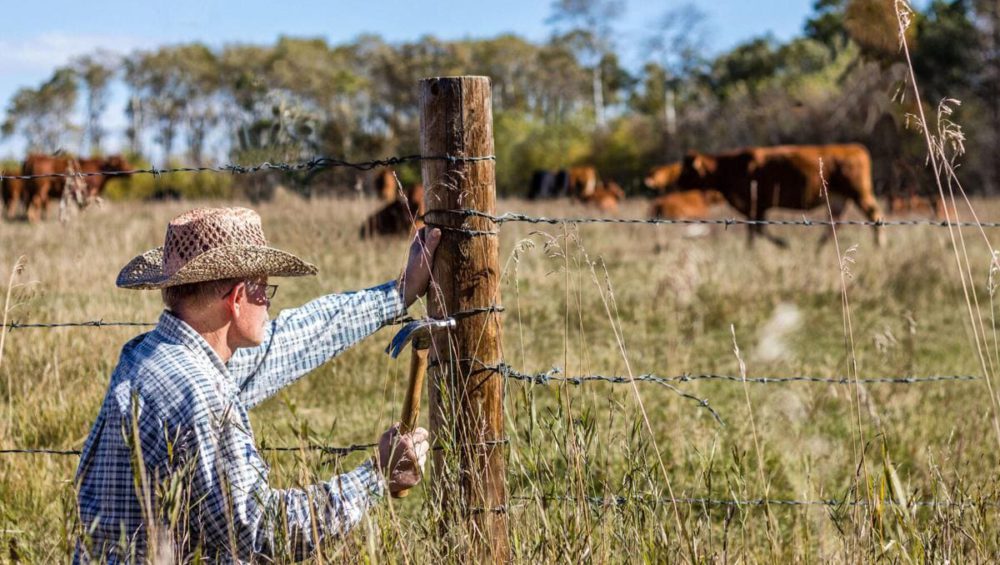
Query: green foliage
(531, 143)
(188, 186)
(562, 101)
(944, 60)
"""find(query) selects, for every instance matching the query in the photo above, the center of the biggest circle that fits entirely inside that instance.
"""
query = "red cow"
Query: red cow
(401, 216)
(663, 177)
(582, 181)
(13, 192)
(756, 179)
(605, 196)
(685, 205)
(38, 192)
(385, 185)
(109, 164)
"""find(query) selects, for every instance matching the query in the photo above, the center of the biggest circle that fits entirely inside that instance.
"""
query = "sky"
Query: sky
(36, 38)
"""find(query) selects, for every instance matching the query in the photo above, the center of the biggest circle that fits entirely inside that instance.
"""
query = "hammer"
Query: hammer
(419, 333)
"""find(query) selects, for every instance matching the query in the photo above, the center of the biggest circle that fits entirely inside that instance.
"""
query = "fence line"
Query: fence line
(312, 164)
(619, 501)
(514, 217)
(15, 325)
(326, 449)
(550, 377)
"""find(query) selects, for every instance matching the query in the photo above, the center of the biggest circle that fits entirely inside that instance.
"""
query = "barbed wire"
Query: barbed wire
(326, 449)
(15, 325)
(550, 376)
(515, 217)
(236, 169)
(92, 324)
(624, 501)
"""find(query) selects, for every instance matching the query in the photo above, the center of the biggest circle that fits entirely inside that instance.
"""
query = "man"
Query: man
(171, 466)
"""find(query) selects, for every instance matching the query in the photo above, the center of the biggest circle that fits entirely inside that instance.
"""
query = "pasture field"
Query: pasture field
(592, 300)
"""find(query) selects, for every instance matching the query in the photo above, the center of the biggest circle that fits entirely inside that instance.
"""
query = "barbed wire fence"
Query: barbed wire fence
(553, 376)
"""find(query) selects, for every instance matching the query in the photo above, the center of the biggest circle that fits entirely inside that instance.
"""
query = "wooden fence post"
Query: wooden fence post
(466, 401)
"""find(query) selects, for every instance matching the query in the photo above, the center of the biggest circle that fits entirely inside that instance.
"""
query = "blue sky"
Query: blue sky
(37, 37)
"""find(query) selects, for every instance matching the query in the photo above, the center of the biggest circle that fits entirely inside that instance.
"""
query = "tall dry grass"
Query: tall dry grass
(595, 300)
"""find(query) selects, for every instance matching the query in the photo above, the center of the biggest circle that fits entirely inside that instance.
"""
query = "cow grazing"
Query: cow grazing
(912, 204)
(399, 217)
(109, 164)
(39, 191)
(582, 181)
(663, 177)
(685, 205)
(385, 185)
(756, 179)
(13, 192)
(605, 196)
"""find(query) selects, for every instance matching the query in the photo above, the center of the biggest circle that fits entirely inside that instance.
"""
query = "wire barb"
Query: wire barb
(236, 169)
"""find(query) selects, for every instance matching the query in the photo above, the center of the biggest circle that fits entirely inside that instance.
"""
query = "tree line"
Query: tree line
(563, 101)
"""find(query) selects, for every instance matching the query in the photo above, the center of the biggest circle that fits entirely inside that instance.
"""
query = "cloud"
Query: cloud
(44, 52)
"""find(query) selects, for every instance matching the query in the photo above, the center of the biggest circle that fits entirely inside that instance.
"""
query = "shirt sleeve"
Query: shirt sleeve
(239, 513)
(301, 339)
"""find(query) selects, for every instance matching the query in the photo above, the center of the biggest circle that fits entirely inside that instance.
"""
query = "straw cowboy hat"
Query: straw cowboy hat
(208, 244)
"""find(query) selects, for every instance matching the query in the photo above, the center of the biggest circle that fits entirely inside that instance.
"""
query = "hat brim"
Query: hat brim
(145, 272)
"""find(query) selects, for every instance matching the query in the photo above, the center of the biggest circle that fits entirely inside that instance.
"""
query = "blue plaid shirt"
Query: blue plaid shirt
(176, 407)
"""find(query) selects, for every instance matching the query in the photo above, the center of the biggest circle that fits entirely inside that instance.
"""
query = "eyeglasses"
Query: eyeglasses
(269, 290)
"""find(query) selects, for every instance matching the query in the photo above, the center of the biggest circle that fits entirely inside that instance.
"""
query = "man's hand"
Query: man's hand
(401, 457)
(413, 284)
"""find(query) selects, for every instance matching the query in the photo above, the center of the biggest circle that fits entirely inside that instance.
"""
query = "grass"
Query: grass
(594, 300)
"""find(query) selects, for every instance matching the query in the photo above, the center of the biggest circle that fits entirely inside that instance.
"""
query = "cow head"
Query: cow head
(663, 177)
(116, 163)
(696, 171)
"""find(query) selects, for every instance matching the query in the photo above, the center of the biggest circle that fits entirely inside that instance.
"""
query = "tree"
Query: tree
(589, 22)
(96, 71)
(43, 115)
(827, 25)
(944, 60)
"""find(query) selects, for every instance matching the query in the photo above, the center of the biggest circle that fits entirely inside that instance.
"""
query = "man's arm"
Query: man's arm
(239, 513)
(301, 339)
(304, 338)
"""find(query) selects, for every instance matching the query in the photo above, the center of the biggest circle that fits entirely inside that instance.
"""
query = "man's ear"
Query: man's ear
(233, 299)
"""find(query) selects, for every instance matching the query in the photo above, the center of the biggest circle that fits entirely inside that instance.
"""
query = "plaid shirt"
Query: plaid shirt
(173, 404)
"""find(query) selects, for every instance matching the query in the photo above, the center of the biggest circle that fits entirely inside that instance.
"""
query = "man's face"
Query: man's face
(254, 298)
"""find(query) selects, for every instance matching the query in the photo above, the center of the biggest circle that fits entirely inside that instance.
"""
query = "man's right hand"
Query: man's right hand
(401, 457)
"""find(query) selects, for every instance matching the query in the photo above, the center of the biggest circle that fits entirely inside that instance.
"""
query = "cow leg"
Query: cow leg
(761, 229)
(872, 211)
(837, 204)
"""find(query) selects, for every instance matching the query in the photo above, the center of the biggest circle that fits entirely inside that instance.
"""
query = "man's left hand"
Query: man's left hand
(417, 275)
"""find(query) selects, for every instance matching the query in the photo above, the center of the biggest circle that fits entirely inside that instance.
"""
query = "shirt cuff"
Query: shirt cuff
(393, 304)
(370, 479)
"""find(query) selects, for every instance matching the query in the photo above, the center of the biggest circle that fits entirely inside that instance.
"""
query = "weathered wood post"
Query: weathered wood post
(466, 401)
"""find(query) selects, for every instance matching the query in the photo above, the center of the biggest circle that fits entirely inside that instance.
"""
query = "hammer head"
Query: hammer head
(419, 332)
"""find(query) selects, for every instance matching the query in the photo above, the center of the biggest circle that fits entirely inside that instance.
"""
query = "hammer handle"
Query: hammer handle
(411, 405)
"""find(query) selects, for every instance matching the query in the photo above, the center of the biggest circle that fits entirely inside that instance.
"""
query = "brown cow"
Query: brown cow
(912, 204)
(401, 216)
(109, 164)
(582, 181)
(663, 177)
(385, 185)
(13, 192)
(685, 205)
(39, 191)
(755, 179)
(605, 196)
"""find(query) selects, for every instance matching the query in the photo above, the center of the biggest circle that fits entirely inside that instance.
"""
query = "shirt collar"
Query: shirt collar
(175, 330)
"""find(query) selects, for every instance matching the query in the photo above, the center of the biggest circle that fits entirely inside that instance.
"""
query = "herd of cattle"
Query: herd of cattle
(755, 179)
(750, 180)
(31, 197)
